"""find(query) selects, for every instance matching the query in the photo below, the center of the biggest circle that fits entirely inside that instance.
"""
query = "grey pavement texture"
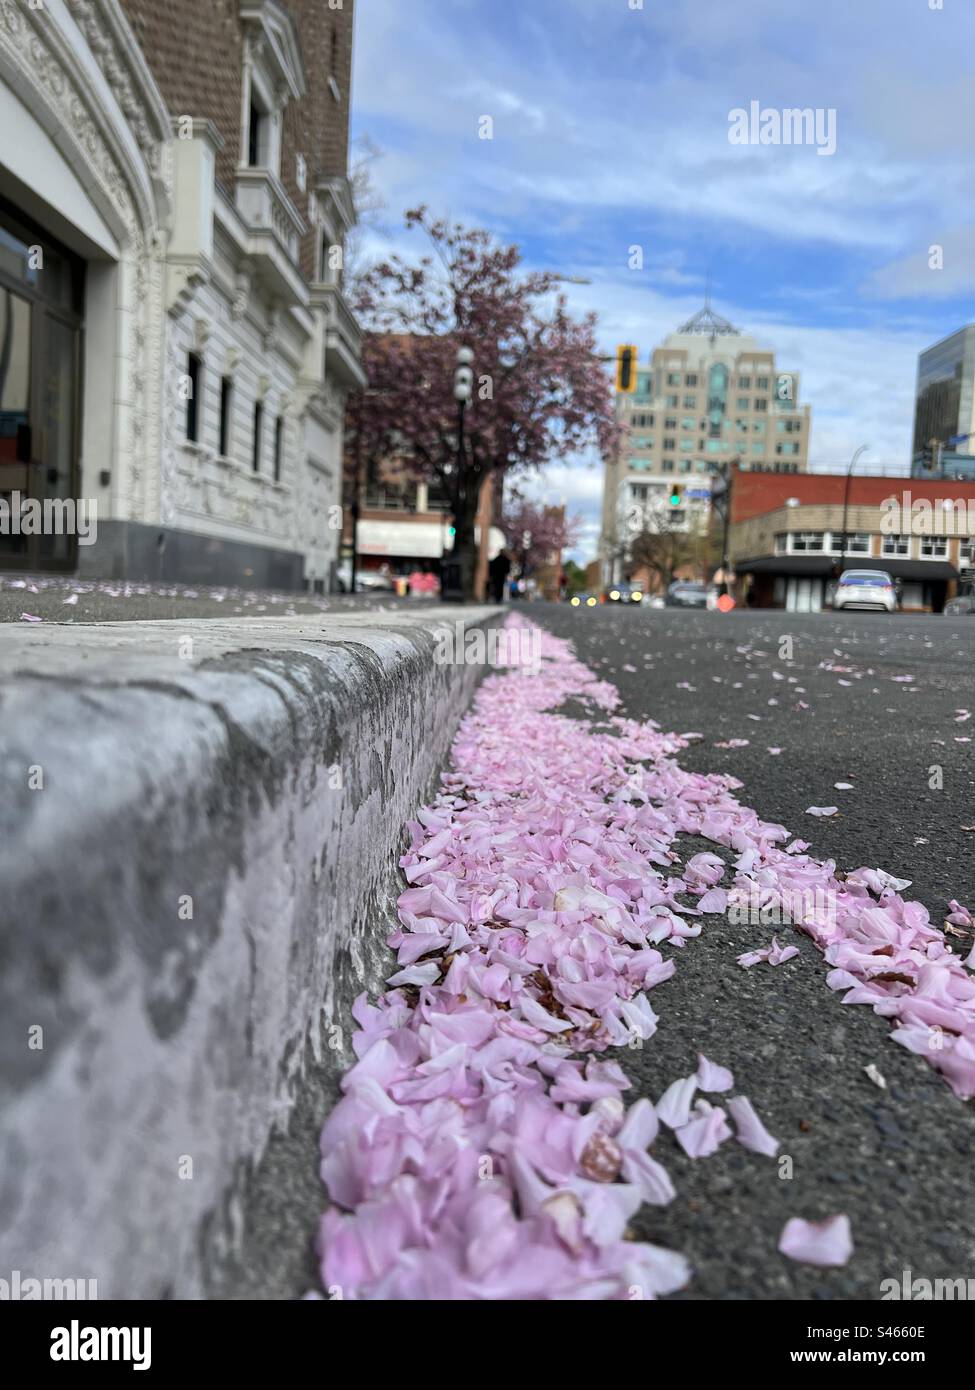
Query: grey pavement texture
(199, 827)
(897, 1161)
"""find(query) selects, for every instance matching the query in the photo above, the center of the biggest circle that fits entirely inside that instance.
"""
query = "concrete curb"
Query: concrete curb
(199, 828)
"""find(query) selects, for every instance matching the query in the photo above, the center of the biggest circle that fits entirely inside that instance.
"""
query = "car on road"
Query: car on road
(624, 593)
(684, 593)
(583, 601)
(963, 604)
(865, 589)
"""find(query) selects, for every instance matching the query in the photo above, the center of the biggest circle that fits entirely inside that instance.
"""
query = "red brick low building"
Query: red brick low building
(791, 536)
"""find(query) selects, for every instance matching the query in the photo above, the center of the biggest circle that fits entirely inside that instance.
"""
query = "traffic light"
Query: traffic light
(675, 498)
(626, 369)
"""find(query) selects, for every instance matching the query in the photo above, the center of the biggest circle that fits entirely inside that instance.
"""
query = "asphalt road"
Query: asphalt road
(896, 1161)
(65, 599)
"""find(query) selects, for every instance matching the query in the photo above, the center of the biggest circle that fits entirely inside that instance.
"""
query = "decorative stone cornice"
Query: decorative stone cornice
(272, 37)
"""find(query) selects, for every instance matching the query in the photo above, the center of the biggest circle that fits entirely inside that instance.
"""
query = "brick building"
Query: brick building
(791, 536)
(177, 345)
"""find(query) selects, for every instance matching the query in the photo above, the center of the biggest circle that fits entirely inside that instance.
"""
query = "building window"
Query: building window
(673, 378)
(690, 379)
(672, 402)
(781, 543)
(686, 424)
(226, 405)
(966, 551)
(743, 402)
(758, 448)
(258, 431)
(690, 402)
(670, 445)
(761, 383)
(745, 383)
(806, 541)
(857, 543)
(667, 466)
(278, 444)
(687, 446)
(934, 547)
(761, 403)
(670, 423)
(257, 136)
(758, 427)
(896, 545)
(683, 465)
(194, 373)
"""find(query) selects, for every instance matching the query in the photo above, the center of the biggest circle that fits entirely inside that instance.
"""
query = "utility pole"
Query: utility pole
(721, 494)
(356, 487)
(846, 499)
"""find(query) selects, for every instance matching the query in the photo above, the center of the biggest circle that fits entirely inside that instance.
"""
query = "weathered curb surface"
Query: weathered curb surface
(256, 776)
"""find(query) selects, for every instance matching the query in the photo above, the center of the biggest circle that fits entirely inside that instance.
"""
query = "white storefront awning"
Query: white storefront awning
(421, 540)
(416, 540)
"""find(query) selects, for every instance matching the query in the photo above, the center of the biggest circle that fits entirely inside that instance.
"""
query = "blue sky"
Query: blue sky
(611, 130)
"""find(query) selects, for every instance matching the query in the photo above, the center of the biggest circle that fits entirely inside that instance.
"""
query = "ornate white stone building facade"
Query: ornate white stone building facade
(175, 345)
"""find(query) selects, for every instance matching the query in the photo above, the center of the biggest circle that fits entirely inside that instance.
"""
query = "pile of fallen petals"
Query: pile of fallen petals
(481, 1149)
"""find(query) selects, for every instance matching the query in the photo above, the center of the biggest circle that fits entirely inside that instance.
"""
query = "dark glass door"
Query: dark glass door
(15, 422)
(41, 287)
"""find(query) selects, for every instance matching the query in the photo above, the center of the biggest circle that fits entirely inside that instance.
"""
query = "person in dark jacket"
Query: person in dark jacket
(498, 570)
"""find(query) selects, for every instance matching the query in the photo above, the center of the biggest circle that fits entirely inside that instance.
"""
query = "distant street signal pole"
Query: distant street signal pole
(721, 501)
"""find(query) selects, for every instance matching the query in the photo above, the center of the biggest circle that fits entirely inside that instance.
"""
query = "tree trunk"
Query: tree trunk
(465, 546)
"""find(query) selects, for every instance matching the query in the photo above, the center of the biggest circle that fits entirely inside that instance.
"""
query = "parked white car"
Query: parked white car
(865, 589)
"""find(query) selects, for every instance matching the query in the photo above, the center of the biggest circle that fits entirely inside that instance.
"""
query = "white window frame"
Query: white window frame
(806, 549)
(896, 547)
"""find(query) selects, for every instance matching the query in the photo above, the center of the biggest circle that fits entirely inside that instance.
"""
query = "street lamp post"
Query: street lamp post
(846, 498)
(452, 587)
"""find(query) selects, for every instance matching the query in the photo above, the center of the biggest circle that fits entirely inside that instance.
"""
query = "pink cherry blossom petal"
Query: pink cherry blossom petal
(828, 1243)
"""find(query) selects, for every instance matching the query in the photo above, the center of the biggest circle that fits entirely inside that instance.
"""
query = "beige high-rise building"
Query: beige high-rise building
(711, 396)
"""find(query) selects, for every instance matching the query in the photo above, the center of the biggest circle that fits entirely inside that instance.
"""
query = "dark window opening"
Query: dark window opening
(193, 372)
(226, 396)
(255, 133)
(258, 430)
(278, 440)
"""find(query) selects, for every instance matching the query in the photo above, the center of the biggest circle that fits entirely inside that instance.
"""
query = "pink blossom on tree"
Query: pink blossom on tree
(535, 533)
(540, 391)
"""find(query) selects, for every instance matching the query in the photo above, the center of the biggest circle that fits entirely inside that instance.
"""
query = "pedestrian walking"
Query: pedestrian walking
(498, 570)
